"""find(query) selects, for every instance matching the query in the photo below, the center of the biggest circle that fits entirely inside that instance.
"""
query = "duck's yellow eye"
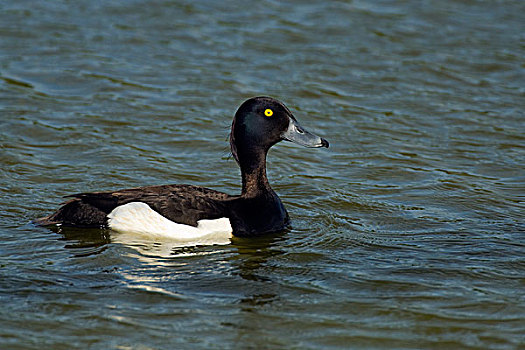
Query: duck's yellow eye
(268, 112)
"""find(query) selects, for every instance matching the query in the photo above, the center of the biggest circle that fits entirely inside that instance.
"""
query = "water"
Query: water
(407, 233)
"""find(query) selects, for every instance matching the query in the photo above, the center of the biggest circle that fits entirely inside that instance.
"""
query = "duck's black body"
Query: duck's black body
(184, 204)
(259, 123)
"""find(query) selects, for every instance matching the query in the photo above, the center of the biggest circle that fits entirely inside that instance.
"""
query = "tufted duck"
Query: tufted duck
(189, 212)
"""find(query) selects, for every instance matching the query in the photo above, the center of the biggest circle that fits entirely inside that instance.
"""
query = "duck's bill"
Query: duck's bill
(296, 133)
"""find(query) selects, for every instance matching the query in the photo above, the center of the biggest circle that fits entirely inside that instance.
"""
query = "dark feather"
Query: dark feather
(184, 204)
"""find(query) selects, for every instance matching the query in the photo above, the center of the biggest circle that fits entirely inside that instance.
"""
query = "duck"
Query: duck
(189, 212)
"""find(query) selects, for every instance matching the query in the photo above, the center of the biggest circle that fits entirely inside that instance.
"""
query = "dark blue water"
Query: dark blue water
(407, 233)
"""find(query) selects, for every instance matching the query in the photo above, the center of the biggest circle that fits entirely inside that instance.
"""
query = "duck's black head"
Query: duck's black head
(261, 122)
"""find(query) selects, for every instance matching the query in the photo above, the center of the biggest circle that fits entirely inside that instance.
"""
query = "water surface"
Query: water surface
(407, 233)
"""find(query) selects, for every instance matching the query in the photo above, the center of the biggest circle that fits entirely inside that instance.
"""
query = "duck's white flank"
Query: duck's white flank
(139, 218)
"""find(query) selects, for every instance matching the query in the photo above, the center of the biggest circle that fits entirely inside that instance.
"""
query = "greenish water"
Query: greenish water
(408, 233)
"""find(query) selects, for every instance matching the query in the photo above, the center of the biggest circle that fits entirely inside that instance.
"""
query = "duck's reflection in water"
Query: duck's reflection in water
(238, 266)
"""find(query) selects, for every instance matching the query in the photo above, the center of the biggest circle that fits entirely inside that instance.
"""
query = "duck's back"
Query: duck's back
(185, 204)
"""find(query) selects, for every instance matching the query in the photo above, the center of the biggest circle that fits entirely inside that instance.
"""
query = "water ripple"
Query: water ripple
(406, 233)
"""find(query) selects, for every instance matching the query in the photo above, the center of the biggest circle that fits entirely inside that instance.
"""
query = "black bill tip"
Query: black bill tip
(324, 143)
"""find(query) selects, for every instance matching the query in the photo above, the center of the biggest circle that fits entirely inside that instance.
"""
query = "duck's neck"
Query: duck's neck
(253, 170)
